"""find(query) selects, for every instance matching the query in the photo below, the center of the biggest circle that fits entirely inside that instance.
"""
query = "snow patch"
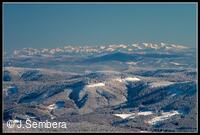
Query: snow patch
(160, 84)
(145, 113)
(131, 63)
(136, 46)
(133, 115)
(179, 46)
(124, 116)
(172, 95)
(150, 45)
(132, 79)
(144, 131)
(95, 85)
(175, 63)
(164, 116)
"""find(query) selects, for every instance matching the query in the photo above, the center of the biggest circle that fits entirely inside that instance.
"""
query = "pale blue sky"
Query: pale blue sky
(57, 25)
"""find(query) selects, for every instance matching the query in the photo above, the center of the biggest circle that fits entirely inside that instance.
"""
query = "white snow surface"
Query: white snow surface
(95, 85)
(133, 115)
(164, 116)
(129, 79)
(132, 79)
(152, 121)
(175, 63)
(160, 84)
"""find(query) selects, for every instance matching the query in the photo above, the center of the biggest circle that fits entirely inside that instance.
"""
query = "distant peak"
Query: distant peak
(88, 50)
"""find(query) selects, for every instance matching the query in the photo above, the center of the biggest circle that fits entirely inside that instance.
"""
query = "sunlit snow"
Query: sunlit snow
(95, 85)
(164, 116)
(160, 84)
(132, 79)
(133, 115)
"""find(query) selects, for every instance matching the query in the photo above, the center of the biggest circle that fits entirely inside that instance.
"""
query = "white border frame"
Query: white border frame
(74, 3)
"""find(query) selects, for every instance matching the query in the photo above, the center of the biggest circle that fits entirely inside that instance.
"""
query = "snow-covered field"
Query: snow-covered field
(130, 79)
(133, 115)
(95, 85)
(160, 84)
(164, 116)
(154, 120)
(124, 116)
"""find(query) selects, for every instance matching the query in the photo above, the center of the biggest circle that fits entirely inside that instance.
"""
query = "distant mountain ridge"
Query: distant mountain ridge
(88, 50)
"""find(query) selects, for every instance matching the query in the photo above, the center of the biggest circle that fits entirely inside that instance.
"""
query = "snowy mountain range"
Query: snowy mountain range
(143, 87)
(88, 50)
